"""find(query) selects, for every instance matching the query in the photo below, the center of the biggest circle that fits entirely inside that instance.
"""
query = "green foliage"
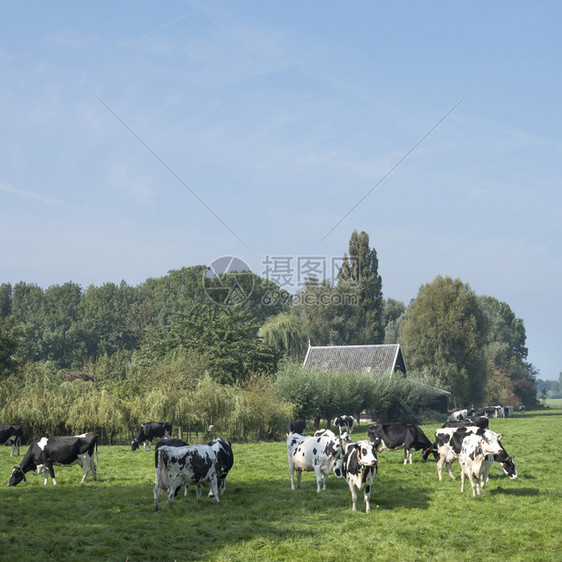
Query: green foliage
(323, 395)
(445, 330)
(282, 333)
(11, 338)
(226, 337)
(361, 269)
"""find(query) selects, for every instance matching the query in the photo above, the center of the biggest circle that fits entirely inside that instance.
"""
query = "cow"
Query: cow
(148, 431)
(225, 460)
(11, 434)
(63, 451)
(359, 467)
(522, 408)
(345, 424)
(449, 443)
(476, 458)
(477, 421)
(458, 416)
(311, 453)
(296, 426)
(393, 436)
(183, 466)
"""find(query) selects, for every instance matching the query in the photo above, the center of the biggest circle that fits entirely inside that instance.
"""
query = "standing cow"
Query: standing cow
(393, 436)
(150, 430)
(64, 451)
(476, 458)
(449, 442)
(359, 467)
(183, 466)
(11, 434)
(311, 453)
(345, 424)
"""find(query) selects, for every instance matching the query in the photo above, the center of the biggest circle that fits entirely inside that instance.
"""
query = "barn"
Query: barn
(384, 359)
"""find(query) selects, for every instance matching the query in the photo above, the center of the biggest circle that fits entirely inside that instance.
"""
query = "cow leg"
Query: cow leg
(367, 498)
(198, 491)
(405, 455)
(171, 494)
(319, 479)
(450, 471)
(157, 491)
(299, 474)
(462, 479)
(411, 454)
(215, 489)
(291, 474)
(353, 496)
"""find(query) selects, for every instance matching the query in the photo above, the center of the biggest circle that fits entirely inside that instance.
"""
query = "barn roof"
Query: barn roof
(380, 359)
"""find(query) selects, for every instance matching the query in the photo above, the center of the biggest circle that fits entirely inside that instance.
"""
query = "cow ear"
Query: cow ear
(500, 436)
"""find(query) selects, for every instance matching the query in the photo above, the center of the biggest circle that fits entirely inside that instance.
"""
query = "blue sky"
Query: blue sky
(280, 117)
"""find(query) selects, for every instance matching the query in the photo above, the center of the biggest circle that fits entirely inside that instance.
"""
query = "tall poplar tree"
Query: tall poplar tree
(360, 272)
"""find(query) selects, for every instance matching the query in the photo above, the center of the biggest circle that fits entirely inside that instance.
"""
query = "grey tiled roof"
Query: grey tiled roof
(356, 358)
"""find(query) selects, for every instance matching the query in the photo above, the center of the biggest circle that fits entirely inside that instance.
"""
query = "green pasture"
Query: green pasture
(414, 517)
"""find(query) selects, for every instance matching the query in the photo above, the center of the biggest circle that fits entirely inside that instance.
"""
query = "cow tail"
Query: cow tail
(161, 475)
(97, 454)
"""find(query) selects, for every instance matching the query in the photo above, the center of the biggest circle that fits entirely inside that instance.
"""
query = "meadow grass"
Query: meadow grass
(414, 516)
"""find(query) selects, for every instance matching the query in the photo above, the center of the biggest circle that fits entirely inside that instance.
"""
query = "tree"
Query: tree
(283, 334)
(11, 337)
(393, 312)
(445, 330)
(226, 337)
(360, 269)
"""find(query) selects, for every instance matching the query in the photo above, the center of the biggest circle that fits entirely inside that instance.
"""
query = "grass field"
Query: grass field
(414, 517)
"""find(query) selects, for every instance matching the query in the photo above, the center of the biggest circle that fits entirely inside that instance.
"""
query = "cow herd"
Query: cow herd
(178, 464)
(468, 440)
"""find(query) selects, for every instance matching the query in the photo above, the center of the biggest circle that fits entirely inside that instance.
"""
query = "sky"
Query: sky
(138, 138)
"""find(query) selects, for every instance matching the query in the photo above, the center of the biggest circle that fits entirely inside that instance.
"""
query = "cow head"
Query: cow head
(366, 453)
(17, 476)
(508, 466)
(134, 445)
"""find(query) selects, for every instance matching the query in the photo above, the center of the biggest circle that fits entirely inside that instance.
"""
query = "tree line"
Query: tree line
(164, 349)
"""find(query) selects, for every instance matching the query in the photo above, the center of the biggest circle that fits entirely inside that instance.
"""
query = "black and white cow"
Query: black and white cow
(476, 458)
(184, 466)
(11, 434)
(296, 426)
(458, 416)
(311, 453)
(148, 431)
(63, 451)
(393, 436)
(449, 444)
(225, 460)
(359, 467)
(477, 421)
(345, 424)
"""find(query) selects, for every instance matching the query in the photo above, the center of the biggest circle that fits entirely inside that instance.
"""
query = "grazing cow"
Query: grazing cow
(476, 458)
(297, 426)
(183, 466)
(359, 468)
(449, 443)
(522, 408)
(148, 431)
(11, 434)
(393, 436)
(458, 416)
(312, 453)
(479, 421)
(225, 460)
(64, 451)
(345, 424)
